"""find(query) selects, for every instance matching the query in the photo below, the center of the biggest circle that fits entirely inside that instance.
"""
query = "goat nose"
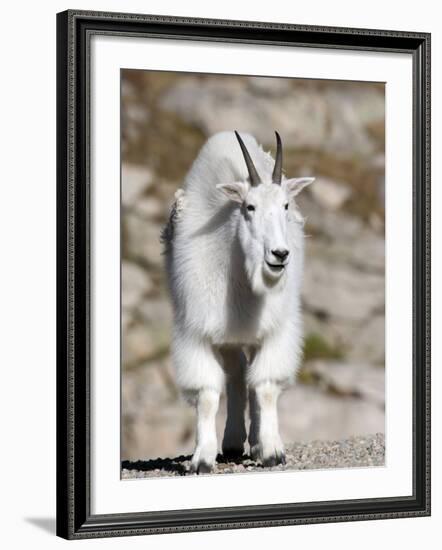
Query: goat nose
(280, 253)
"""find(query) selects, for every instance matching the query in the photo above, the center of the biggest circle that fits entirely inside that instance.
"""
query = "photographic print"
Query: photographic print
(252, 273)
(243, 267)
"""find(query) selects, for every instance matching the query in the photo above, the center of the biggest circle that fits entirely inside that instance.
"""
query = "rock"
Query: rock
(368, 341)
(214, 105)
(150, 208)
(369, 252)
(381, 188)
(340, 291)
(138, 345)
(359, 452)
(135, 115)
(365, 251)
(126, 319)
(333, 117)
(143, 240)
(314, 325)
(334, 226)
(308, 412)
(135, 282)
(339, 237)
(142, 343)
(155, 423)
(269, 87)
(156, 312)
(329, 194)
(378, 162)
(135, 180)
(377, 224)
(350, 379)
(361, 341)
(151, 337)
(352, 110)
(128, 92)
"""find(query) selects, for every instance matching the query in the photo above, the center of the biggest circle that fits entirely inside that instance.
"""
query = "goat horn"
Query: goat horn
(254, 177)
(277, 170)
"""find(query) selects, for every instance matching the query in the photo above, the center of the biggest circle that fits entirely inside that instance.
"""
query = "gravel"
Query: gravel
(354, 452)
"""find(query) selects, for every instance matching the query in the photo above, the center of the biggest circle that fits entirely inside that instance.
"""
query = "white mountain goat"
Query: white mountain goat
(234, 259)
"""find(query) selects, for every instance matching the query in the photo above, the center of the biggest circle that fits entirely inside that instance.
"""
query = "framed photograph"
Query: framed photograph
(243, 274)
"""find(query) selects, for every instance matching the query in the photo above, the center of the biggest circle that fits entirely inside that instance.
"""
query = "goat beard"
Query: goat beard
(260, 282)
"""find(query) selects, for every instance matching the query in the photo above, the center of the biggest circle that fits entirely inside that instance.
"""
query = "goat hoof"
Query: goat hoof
(201, 468)
(255, 453)
(232, 453)
(269, 461)
(204, 468)
(274, 460)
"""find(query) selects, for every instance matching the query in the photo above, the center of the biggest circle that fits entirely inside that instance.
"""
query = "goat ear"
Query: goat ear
(236, 191)
(296, 185)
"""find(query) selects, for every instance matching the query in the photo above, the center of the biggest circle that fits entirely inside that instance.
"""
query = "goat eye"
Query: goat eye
(286, 206)
(250, 207)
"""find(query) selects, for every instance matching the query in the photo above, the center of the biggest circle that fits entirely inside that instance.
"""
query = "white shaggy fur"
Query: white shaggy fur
(236, 304)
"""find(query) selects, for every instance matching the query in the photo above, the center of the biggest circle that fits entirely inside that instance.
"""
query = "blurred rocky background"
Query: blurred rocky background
(333, 130)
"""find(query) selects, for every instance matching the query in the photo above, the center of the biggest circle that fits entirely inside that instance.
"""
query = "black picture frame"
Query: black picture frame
(74, 518)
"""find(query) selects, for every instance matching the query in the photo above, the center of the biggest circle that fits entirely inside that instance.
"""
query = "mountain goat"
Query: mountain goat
(234, 260)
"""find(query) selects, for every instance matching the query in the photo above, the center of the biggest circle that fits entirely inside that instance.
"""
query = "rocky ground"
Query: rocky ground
(332, 130)
(354, 452)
